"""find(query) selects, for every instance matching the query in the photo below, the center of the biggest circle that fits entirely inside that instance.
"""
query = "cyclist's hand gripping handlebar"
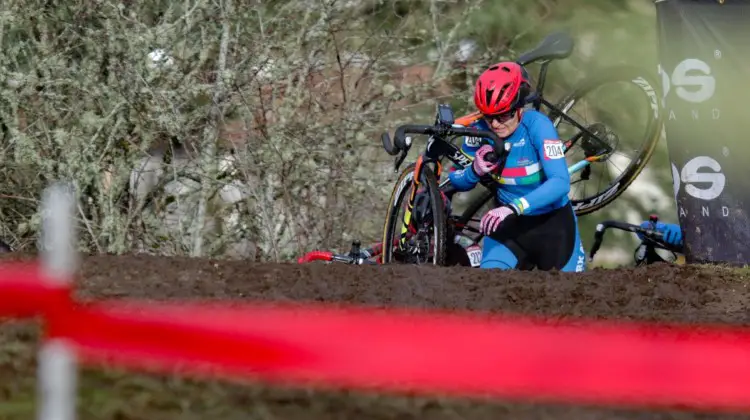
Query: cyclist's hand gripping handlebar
(400, 145)
(652, 234)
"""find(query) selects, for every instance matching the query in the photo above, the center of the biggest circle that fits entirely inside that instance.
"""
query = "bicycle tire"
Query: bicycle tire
(619, 73)
(391, 225)
(589, 205)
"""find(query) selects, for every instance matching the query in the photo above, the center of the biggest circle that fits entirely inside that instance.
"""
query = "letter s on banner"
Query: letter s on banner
(691, 173)
(683, 76)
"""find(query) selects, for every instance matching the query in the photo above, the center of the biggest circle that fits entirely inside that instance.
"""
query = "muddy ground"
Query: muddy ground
(671, 293)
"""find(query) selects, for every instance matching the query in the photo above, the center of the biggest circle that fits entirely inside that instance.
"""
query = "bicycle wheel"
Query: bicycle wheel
(425, 234)
(646, 87)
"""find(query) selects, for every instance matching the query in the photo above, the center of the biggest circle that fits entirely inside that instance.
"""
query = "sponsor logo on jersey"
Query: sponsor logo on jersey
(524, 161)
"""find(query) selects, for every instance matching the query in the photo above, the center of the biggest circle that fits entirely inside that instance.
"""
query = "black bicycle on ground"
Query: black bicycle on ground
(647, 251)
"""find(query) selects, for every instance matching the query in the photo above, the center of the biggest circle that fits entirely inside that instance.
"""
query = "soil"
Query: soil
(657, 293)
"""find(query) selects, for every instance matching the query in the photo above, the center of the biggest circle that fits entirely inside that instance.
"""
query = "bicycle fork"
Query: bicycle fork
(415, 185)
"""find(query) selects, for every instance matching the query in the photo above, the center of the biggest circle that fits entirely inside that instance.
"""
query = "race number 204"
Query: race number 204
(553, 149)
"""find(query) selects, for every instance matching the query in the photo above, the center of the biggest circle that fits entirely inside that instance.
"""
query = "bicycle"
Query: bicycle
(597, 141)
(355, 256)
(645, 253)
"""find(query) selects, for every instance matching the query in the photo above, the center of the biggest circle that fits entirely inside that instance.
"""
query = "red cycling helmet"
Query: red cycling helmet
(501, 89)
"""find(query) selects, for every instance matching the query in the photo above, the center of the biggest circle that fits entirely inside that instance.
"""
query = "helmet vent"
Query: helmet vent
(499, 96)
(488, 96)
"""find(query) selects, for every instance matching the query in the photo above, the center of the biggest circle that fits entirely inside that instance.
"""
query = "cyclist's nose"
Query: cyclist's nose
(497, 126)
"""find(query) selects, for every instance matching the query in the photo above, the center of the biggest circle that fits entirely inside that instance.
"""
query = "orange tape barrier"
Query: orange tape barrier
(423, 351)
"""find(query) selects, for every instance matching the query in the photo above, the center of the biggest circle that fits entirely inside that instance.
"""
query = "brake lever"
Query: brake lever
(399, 160)
(402, 156)
(598, 238)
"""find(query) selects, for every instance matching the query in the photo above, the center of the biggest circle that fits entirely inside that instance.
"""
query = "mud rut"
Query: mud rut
(680, 294)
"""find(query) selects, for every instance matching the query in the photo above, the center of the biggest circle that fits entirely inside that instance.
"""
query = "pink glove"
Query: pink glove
(492, 219)
(481, 166)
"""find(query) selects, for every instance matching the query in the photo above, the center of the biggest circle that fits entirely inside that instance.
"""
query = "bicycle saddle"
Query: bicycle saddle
(555, 46)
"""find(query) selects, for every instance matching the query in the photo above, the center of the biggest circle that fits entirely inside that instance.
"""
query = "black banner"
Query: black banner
(704, 54)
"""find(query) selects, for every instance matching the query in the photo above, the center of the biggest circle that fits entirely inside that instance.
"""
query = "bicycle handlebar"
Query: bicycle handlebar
(399, 137)
(652, 234)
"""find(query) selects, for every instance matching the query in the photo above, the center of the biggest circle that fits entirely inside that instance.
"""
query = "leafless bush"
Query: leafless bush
(208, 128)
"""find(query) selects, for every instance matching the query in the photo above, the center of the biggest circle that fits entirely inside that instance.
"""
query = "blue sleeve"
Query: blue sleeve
(463, 179)
(551, 153)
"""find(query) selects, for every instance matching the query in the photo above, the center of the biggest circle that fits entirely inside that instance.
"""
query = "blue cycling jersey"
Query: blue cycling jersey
(535, 179)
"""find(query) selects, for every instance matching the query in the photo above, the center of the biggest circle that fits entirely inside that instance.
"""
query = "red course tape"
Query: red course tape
(466, 354)
(23, 295)
(397, 349)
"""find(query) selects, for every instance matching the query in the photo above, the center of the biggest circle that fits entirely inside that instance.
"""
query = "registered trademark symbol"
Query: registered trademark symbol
(717, 54)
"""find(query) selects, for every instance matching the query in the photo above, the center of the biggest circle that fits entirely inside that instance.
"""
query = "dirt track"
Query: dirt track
(680, 294)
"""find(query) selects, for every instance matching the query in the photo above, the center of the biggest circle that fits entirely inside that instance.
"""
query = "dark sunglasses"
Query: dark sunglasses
(501, 118)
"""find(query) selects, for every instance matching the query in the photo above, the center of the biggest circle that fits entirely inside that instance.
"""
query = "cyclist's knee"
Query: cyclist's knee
(497, 255)
(577, 261)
